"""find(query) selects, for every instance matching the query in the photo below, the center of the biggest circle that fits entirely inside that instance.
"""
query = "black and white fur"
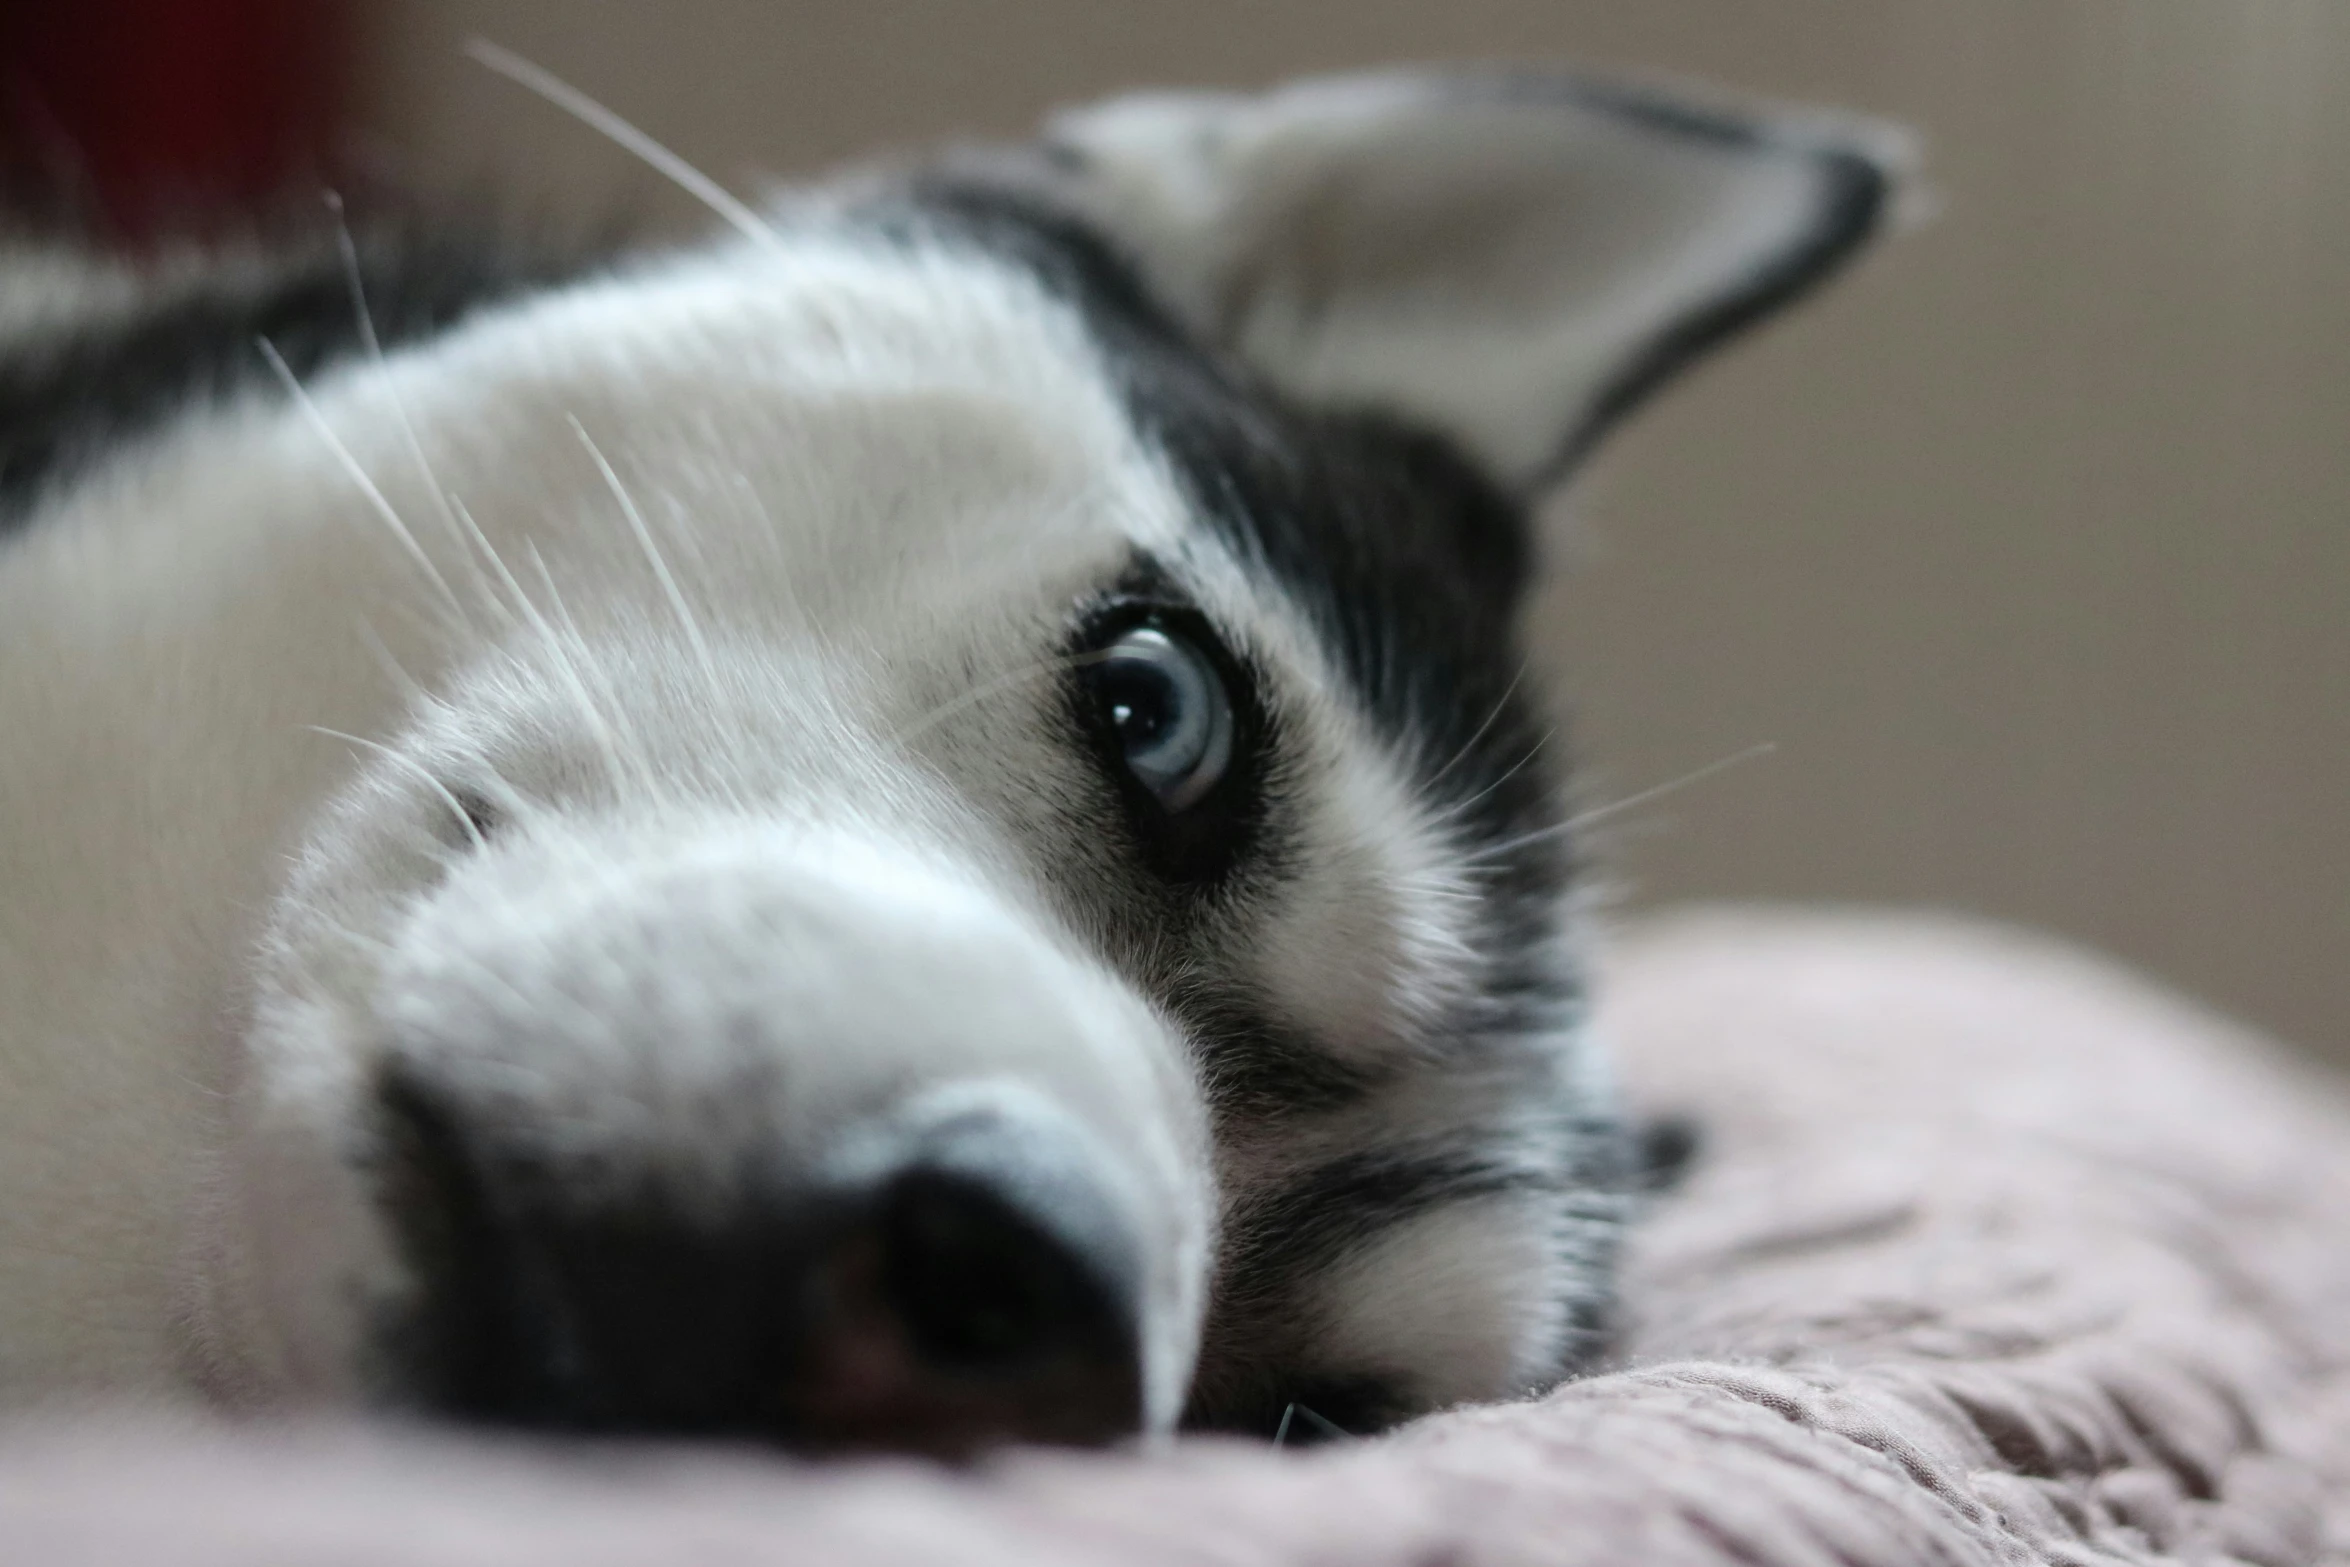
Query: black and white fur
(609, 764)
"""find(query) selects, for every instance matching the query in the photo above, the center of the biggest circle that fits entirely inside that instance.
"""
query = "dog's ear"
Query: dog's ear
(1512, 260)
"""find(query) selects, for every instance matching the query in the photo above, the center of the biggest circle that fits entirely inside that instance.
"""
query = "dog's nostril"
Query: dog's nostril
(979, 1285)
(990, 1290)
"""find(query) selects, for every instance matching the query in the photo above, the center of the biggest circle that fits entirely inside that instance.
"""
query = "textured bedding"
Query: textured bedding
(1992, 1254)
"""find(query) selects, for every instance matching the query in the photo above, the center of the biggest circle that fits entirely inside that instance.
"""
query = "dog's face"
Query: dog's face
(967, 852)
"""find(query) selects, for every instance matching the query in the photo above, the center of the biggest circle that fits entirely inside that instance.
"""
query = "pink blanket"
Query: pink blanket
(1994, 1255)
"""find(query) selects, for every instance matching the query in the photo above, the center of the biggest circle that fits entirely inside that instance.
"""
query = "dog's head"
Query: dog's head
(968, 852)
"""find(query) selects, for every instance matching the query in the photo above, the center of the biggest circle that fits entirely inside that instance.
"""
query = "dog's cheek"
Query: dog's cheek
(1466, 1302)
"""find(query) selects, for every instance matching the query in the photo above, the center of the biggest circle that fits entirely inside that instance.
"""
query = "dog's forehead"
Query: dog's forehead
(847, 435)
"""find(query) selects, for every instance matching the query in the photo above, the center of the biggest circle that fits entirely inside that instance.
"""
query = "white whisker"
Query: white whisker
(786, 583)
(374, 945)
(413, 688)
(350, 465)
(1480, 732)
(197, 1086)
(1655, 792)
(1599, 813)
(1461, 810)
(550, 640)
(614, 726)
(478, 540)
(416, 769)
(564, 96)
(652, 553)
(989, 687)
(353, 278)
(1326, 1427)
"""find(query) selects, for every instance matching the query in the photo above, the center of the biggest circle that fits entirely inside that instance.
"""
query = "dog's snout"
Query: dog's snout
(970, 1285)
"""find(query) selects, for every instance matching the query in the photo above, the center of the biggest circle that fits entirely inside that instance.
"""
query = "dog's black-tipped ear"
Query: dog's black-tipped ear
(1513, 260)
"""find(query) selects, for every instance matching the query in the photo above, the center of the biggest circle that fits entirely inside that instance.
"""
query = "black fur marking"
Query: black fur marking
(1296, 1230)
(69, 396)
(1259, 1069)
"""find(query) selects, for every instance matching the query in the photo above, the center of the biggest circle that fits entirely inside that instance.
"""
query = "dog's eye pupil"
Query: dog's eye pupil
(1168, 709)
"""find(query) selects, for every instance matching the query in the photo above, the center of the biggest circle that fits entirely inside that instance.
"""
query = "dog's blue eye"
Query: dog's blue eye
(1169, 711)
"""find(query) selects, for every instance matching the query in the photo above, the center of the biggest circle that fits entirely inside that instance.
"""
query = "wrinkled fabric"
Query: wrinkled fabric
(1992, 1254)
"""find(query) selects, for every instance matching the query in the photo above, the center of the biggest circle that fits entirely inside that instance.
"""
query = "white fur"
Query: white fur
(1419, 1301)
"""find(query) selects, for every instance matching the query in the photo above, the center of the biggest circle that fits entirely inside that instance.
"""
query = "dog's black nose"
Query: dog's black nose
(974, 1285)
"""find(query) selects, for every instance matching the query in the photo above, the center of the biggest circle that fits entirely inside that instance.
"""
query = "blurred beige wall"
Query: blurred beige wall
(2029, 546)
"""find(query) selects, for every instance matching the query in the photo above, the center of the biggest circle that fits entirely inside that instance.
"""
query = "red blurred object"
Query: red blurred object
(130, 115)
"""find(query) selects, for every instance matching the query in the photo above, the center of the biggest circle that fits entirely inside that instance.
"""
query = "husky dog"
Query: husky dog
(915, 826)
